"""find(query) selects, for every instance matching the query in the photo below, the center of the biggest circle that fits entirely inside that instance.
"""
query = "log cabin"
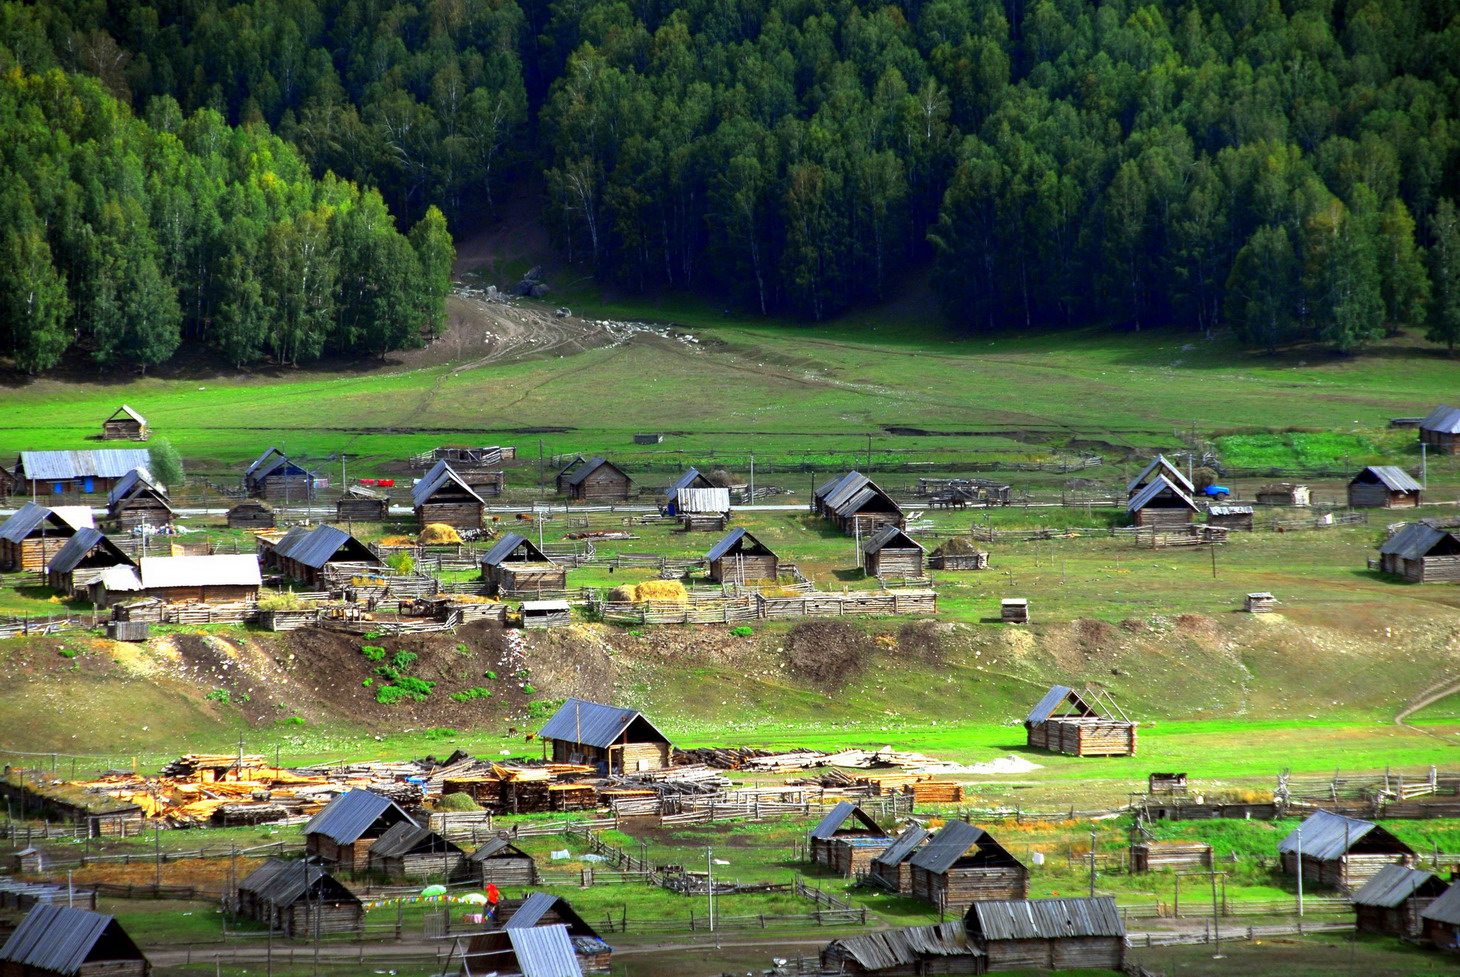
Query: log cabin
(739, 557)
(1285, 493)
(890, 552)
(856, 504)
(500, 862)
(299, 898)
(1422, 553)
(1440, 429)
(541, 909)
(408, 851)
(963, 864)
(274, 478)
(125, 424)
(529, 951)
(833, 829)
(1048, 934)
(940, 948)
(515, 566)
(890, 868)
(251, 514)
(1340, 852)
(1384, 487)
(1442, 920)
(83, 560)
(1159, 467)
(61, 941)
(596, 480)
(1151, 856)
(177, 579)
(361, 504)
(139, 500)
(444, 497)
(34, 534)
(615, 739)
(313, 555)
(48, 474)
(1092, 724)
(1161, 505)
(1392, 903)
(343, 832)
(703, 510)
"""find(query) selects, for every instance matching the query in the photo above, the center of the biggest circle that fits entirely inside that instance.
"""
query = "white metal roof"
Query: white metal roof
(200, 571)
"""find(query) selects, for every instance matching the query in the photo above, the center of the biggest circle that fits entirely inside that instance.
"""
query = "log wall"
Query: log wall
(852, 857)
(29, 554)
(1085, 737)
(960, 887)
(603, 485)
(299, 919)
(140, 510)
(508, 871)
(1441, 441)
(457, 515)
(1163, 518)
(1363, 496)
(889, 562)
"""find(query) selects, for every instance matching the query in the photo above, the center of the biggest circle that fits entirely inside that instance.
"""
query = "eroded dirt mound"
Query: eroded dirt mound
(827, 654)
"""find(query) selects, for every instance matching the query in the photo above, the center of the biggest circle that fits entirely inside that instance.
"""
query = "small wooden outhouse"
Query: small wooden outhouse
(1340, 852)
(890, 552)
(500, 862)
(1383, 487)
(125, 425)
(833, 832)
(963, 864)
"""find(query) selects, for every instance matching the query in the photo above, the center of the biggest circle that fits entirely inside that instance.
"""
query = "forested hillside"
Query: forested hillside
(1282, 166)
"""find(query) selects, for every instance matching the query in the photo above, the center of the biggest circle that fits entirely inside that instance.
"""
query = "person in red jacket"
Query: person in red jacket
(494, 896)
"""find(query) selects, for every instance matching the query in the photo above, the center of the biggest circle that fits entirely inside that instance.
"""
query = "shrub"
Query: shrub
(489, 674)
(373, 652)
(542, 709)
(389, 695)
(528, 690)
(291, 721)
(285, 601)
(387, 673)
(440, 733)
(742, 632)
(475, 692)
(219, 695)
(401, 563)
(67, 652)
(415, 686)
(403, 660)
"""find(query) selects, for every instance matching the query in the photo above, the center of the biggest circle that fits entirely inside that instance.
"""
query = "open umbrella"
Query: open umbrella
(434, 890)
(476, 898)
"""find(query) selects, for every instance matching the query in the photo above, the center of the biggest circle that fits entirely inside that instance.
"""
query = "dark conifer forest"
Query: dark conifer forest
(274, 180)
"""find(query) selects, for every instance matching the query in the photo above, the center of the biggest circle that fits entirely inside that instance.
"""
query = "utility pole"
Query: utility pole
(1092, 863)
(710, 883)
(751, 500)
(1300, 870)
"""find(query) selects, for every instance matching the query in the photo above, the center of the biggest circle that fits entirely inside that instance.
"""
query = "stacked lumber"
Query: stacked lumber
(937, 792)
(864, 759)
(722, 758)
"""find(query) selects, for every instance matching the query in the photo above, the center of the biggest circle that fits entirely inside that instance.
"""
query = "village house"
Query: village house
(139, 500)
(361, 504)
(82, 560)
(1442, 920)
(442, 496)
(34, 534)
(408, 851)
(343, 832)
(856, 505)
(962, 864)
(703, 510)
(1161, 504)
(691, 479)
(890, 867)
(47, 474)
(1393, 901)
(297, 897)
(1284, 493)
(833, 833)
(515, 566)
(310, 555)
(251, 514)
(1090, 725)
(1048, 934)
(740, 557)
(500, 863)
(177, 579)
(528, 951)
(274, 478)
(1152, 856)
(125, 425)
(1159, 467)
(60, 941)
(1340, 852)
(1440, 429)
(541, 909)
(618, 740)
(595, 480)
(941, 948)
(890, 552)
(1422, 553)
(1383, 487)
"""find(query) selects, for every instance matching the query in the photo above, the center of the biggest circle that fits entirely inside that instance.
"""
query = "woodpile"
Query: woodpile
(866, 759)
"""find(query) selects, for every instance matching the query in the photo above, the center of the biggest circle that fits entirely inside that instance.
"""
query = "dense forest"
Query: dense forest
(1285, 167)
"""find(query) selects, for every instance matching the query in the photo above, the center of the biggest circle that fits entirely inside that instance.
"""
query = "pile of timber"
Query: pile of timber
(673, 781)
(865, 759)
(722, 758)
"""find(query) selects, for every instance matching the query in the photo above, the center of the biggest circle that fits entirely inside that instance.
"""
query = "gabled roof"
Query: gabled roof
(29, 517)
(241, 570)
(497, 848)
(1172, 473)
(890, 536)
(589, 467)
(903, 848)
(1158, 485)
(125, 411)
(1445, 909)
(60, 939)
(137, 481)
(951, 843)
(690, 479)
(345, 819)
(593, 723)
(408, 838)
(440, 475)
(320, 545)
(77, 548)
(75, 516)
(906, 947)
(1044, 919)
(91, 463)
(281, 882)
(848, 494)
(1326, 836)
(509, 544)
(735, 539)
(1442, 420)
(1414, 541)
(828, 826)
(1392, 477)
(1393, 884)
(269, 460)
(544, 951)
(538, 905)
(702, 500)
(1053, 699)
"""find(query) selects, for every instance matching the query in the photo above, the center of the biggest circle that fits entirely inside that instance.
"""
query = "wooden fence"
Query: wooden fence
(755, 606)
(11, 627)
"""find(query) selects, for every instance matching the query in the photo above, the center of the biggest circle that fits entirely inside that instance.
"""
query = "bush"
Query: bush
(286, 601)
(374, 653)
(164, 464)
(528, 690)
(389, 695)
(415, 686)
(291, 721)
(489, 674)
(67, 652)
(475, 692)
(401, 563)
(742, 632)
(219, 695)
(402, 660)
(387, 673)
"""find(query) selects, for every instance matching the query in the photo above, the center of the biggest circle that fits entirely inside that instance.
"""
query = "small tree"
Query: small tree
(165, 464)
(402, 563)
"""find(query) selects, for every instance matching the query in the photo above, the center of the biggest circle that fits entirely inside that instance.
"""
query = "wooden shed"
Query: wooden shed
(49, 474)
(34, 534)
(27, 861)
(541, 909)
(515, 566)
(1442, 920)
(890, 552)
(1259, 602)
(691, 479)
(1422, 553)
(310, 554)
(139, 500)
(963, 864)
(857, 505)
(362, 504)
(299, 898)
(1230, 517)
(1014, 610)
(891, 868)
(1161, 504)
(739, 557)
(529, 951)
(500, 862)
(1440, 429)
(410, 851)
(443, 496)
(469, 457)
(343, 832)
(274, 478)
(1084, 723)
(1048, 934)
(1284, 493)
(1151, 856)
(1383, 487)
(941, 948)
(82, 560)
(1160, 467)
(616, 739)
(125, 424)
(703, 510)
(1340, 852)
(958, 553)
(596, 480)
(251, 514)
(1391, 903)
(176, 579)
(833, 829)
(60, 941)
(546, 614)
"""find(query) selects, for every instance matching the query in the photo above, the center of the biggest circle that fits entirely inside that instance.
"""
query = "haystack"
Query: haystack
(670, 590)
(626, 593)
(438, 534)
(957, 546)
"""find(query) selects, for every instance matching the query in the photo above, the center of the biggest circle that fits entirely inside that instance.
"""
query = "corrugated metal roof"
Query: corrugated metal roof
(74, 551)
(902, 849)
(408, 838)
(292, 538)
(828, 826)
(589, 467)
(1158, 485)
(850, 493)
(136, 481)
(124, 409)
(241, 570)
(497, 847)
(318, 546)
(1443, 420)
(60, 938)
(434, 480)
(890, 536)
(346, 818)
(544, 951)
(282, 882)
(1173, 474)
(950, 844)
(538, 905)
(508, 544)
(702, 500)
(1045, 919)
(736, 538)
(1445, 909)
(905, 947)
(261, 460)
(24, 521)
(1052, 700)
(1230, 510)
(1413, 541)
(1393, 884)
(1394, 478)
(91, 463)
(591, 723)
(1326, 836)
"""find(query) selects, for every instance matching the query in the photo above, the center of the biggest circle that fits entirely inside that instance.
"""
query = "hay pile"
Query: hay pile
(957, 546)
(670, 590)
(396, 541)
(438, 534)
(624, 593)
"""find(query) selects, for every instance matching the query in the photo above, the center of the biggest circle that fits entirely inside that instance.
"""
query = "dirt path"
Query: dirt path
(1431, 695)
